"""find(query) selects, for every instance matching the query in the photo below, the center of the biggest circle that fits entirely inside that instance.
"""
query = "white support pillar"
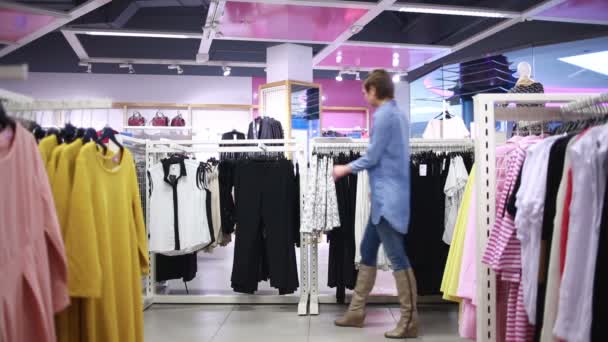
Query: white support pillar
(289, 62)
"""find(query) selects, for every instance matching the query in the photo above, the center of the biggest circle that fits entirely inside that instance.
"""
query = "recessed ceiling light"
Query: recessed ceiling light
(430, 10)
(595, 61)
(137, 34)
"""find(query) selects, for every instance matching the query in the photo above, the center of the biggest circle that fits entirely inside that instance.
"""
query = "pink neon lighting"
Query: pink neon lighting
(289, 22)
(378, 57)
(15, 25)
(579, 9)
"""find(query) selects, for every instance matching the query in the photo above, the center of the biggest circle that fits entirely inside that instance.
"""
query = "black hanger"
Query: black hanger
(90, 134)
(447, 115)
(108, 133)
(68, 133)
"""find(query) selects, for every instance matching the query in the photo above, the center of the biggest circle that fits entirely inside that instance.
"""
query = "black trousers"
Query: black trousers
(266, 226)
(342, 273)
(226, 181)
(424, 244)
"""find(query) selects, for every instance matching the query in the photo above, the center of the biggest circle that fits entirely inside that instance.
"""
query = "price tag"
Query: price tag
(423, 170)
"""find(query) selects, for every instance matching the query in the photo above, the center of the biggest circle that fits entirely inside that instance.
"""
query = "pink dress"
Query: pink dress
(32, 257)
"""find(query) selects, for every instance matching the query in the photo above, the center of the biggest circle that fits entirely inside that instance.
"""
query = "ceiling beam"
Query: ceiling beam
(191, 62)
(215, 12)
(409, 7)
(274, 40)
(135, 33)
(571, 20)
(31, 9)
(75, 44)
(526, 15)
(79, 11)
(395, 45)
(355, 28)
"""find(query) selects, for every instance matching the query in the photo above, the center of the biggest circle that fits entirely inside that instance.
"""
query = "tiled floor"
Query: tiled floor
(270, 323)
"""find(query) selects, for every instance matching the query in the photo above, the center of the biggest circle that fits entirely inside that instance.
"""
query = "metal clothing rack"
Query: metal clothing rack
(486, 113)
(155, 149)
(346, 145)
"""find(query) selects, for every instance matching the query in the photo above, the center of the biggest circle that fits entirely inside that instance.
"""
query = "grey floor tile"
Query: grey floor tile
(178, 323)
(265, 320)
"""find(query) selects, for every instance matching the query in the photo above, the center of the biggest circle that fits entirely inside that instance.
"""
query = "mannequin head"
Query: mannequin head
(524, 69)
(378, 88)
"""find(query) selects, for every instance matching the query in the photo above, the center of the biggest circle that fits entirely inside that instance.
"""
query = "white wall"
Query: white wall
(135, 88)
(140, 88)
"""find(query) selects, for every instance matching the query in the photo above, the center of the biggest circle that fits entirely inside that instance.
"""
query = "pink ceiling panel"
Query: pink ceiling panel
(267, 21)
(596, 10)
(377, 57)
(15, 24)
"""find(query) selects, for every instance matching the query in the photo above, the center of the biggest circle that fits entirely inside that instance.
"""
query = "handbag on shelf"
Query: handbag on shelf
(160, 120)
(136, 120)
(178, 121)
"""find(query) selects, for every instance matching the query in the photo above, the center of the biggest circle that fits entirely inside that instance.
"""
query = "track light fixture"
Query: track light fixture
(395, 60)
(127, 66)
(339, 57)
(358, 76)
(227, 70)
(89, 66)
(177, 68)
(339, 77)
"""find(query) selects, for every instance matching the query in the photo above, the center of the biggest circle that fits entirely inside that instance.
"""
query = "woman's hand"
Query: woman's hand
(341, 171)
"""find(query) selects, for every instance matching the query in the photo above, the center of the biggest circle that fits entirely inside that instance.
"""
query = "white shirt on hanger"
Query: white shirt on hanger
(192, 214)
(453, 128)
(530, 202)
(454, 191)
(589, 157)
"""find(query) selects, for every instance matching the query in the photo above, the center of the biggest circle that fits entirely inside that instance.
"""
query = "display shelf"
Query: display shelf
(159, 128)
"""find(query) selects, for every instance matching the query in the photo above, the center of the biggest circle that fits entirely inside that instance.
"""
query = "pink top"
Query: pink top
(32, 256)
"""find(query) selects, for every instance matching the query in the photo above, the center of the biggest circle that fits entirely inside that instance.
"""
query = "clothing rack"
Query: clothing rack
(157, 148)
(327, 145)
(486, 113)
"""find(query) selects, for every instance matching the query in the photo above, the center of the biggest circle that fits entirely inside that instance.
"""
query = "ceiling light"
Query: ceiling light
(227, 70)
(89, 68)
(356, 29)
(358, 76)
(339, 57)
(396, 78)
(176, 68)
(137, 34)
(323, 98)
(595, 61)
(431, 10)
(339, 77)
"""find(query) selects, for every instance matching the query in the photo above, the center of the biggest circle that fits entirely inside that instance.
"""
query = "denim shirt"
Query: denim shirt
(388, 163)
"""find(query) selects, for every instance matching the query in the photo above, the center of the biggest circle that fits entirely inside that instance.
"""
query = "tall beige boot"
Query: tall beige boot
(355, 315)
(407, 327)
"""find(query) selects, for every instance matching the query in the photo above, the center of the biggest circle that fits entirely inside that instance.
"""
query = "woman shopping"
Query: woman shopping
(388, 166)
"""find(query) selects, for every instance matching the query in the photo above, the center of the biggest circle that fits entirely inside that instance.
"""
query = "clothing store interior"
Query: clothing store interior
(167, 169)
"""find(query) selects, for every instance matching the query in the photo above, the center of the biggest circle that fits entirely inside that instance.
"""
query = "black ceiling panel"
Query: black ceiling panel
(508, 5)
(412, 28)
(246, 51)
(523, 35)
(131, 47)
(51, 53)
(169, 19)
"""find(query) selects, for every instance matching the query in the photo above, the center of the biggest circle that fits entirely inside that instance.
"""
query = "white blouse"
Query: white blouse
(193, 229)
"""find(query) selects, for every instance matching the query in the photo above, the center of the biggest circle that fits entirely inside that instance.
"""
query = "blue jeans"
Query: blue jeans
(392, 240)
